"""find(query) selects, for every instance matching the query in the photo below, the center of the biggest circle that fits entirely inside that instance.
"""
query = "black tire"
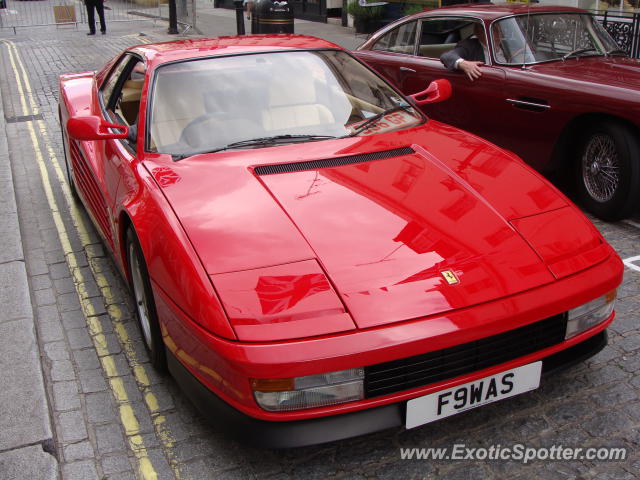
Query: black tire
(67, 162)
(145, 307)
(607, 170)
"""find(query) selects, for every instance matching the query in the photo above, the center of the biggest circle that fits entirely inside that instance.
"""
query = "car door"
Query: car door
(390, 53)
(475, 106)
(120, 98)
(534, 117)
(93, 179)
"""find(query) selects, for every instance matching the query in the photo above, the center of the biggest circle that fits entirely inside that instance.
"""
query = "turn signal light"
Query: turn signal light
(590, 314)
(311, 391)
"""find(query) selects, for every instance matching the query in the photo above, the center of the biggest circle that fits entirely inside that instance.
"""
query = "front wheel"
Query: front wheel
(144, 302)
(608, 171)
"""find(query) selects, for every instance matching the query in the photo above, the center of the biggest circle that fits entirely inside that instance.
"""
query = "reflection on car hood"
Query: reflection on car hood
(619, 72)
(420, 232)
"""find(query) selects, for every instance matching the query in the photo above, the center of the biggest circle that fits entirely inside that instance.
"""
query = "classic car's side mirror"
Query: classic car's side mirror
(437, 91)
(94, 128)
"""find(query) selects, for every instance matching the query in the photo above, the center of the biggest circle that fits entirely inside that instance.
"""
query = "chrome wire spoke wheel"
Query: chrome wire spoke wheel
(140, 296)
(601, 168)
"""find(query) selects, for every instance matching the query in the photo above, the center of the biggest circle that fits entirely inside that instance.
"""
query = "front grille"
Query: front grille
(432, 367)
(331, 162)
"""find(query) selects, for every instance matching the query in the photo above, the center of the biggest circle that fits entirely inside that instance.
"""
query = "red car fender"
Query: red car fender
(172, 263)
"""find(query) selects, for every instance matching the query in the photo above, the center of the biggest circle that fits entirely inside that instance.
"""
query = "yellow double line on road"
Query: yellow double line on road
(42, 148)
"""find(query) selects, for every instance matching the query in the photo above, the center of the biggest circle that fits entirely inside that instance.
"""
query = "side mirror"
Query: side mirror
(94, 128)
(437, 91)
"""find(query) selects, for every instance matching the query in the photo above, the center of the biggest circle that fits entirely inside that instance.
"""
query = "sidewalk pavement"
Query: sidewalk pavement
(25, 419)
(220, 21)
(27, 447)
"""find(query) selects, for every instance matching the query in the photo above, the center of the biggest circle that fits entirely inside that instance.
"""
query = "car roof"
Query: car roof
(491, 11)
(159, 53)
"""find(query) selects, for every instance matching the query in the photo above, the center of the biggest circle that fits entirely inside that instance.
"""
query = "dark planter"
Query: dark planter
(366, 25)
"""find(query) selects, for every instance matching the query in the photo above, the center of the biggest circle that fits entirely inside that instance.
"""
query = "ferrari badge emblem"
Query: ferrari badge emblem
(450, 277)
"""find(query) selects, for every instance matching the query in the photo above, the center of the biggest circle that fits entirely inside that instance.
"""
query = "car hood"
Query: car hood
(618, 72)
(397, 234)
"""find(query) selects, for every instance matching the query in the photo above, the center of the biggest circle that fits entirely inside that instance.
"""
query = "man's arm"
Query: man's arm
(450, 58)
(455, 59)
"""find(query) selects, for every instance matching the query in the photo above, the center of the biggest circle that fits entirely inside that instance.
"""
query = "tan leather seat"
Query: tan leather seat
(130, 100)
(291, 106)
(435, 50)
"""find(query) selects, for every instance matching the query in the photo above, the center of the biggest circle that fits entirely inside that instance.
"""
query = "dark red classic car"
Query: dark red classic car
(555, 89)
(311, 256)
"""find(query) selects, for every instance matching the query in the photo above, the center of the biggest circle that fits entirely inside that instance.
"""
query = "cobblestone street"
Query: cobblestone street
(114, 417)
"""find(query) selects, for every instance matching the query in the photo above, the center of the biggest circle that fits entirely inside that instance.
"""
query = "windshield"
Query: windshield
(543, 37)
(254, 100)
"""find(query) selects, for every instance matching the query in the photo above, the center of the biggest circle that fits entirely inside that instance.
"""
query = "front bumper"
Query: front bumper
(271, 434)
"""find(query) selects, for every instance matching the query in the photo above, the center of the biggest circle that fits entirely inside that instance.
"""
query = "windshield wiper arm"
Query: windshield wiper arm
(579, 51)
(176, 157)
(272, 140)
(371, 120)
(254, 141)
(616, 50)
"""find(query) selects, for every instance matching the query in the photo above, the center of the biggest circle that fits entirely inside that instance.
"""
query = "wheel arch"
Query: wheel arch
(194, 294)
(571, 134)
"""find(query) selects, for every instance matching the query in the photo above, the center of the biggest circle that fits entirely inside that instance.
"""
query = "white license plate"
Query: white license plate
(470, 395)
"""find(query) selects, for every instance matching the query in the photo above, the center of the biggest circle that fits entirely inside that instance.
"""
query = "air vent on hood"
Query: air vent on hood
(331, 162)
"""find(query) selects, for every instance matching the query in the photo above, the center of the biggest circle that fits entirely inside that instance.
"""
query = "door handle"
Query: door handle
(407, 69)
(536, 106)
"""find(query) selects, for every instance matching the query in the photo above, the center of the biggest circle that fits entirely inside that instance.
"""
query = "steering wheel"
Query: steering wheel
(513, 58)
(198, 132)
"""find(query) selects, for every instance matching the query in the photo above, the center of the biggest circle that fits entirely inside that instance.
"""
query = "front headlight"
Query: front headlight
(285, 394)
(590, 314)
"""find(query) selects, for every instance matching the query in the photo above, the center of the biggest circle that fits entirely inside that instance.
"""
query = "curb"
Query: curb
(25, 418)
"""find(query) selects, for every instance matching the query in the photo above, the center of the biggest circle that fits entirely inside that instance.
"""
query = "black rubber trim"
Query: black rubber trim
(331, 162)
(261, 433)
(576, 354)
(265, 434)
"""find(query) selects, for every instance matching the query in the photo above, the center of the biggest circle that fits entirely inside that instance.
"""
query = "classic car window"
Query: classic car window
(400, 40)
(209, 104)
(439, 35)
(543, 37)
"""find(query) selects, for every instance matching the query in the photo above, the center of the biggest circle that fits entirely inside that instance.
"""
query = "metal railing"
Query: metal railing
(624, 28)
(71, 12)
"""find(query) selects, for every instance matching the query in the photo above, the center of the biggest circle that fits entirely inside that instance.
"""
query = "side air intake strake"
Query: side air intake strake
(332, 162)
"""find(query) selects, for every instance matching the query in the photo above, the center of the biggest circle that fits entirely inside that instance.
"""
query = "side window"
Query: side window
(121, 94)
(110, 84)
(439, 35)
(127, 104)
(400, 40)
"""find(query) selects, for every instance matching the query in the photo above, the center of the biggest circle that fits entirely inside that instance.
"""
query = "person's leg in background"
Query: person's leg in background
(100, 9)
(91, 16)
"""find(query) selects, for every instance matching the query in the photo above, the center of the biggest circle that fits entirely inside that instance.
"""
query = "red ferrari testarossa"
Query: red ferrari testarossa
(313, 257)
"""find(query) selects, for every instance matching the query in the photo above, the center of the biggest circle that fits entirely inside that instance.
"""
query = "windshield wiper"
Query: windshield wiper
(579, 51)
(272, 140)
(371, 120)
(176, 157)
(615, 50)
(256, 142)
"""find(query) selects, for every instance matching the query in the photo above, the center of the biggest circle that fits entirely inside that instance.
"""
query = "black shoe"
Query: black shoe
(91, 33)
(103, 32)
